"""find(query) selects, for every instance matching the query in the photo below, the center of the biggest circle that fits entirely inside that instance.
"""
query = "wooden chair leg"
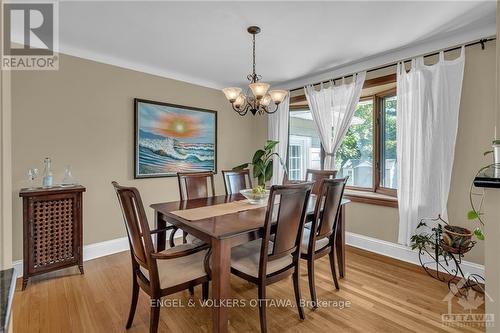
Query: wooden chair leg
(171, 241)
(312, 284)
(133, 303)
(191, 291)
(331, 255)
(154, 316)
(204, 290)
(262, 308)
(296, 288)
(184, 237)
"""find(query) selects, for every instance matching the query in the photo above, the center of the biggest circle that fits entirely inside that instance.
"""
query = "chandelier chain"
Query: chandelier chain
(254, 74)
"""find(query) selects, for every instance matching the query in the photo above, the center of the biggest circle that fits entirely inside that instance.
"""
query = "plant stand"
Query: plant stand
(442, 264)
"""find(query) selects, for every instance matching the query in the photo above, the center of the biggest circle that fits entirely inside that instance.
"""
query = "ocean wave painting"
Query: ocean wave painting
(172, 138)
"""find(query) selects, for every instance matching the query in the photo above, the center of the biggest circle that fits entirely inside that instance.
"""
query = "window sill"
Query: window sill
(371, 198)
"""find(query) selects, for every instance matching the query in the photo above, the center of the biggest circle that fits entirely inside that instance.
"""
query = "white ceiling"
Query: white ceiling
(206, 42)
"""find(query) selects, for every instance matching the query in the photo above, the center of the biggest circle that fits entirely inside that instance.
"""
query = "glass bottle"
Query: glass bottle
(47, 173)
(68, 178)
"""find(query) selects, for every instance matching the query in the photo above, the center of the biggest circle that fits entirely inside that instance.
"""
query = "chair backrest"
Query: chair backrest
(194, 185)
(134, 216)
(317, 176)
(327, 207)
(234, 181)
(287, 206)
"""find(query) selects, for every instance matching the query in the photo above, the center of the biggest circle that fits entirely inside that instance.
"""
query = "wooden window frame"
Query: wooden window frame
(387, 196)
(377, 145)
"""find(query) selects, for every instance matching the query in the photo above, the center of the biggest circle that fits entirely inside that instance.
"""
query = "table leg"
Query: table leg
(340, 242)
(221, 273)
(161, 237)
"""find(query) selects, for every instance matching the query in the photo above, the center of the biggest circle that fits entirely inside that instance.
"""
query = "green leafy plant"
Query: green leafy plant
(427, 238)
(262, 163)
(475, 214)
(495, 142)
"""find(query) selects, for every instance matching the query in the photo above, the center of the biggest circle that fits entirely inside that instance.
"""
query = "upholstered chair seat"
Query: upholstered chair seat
(176, 271)
(246, 257)
(320, 243)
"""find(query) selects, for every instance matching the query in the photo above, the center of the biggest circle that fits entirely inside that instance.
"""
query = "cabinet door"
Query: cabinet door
(53, 230)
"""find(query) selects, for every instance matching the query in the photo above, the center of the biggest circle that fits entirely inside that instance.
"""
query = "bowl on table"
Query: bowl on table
(255, 198)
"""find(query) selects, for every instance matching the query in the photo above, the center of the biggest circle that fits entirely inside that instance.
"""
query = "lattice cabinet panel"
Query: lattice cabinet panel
(52, 229)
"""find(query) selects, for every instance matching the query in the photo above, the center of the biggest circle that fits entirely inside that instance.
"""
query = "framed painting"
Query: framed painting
(171, 138)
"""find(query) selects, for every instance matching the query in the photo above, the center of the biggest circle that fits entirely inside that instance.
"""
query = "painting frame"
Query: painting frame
(137, 101)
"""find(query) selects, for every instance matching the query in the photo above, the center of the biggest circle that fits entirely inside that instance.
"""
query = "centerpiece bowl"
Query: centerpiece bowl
(255, 198)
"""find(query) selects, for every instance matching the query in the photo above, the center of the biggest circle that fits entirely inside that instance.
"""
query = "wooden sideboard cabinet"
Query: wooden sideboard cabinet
(52, 229)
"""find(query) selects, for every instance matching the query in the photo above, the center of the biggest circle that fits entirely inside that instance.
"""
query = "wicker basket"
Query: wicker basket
(456, 239)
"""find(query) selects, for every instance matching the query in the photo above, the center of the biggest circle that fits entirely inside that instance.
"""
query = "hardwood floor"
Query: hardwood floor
(385, 295)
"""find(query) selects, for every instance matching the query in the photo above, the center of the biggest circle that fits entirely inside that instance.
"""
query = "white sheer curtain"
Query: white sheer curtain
(428, 101)
(332, 109)
(277, 129)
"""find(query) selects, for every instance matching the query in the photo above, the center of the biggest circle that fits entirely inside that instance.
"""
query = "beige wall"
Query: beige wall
(5, 171)
(83, 115)
(474, 137)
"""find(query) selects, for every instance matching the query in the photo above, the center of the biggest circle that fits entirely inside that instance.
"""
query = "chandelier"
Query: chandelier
(259, 101)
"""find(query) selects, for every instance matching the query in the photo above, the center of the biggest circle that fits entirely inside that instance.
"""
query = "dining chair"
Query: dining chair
(234, 181)
(263, 261)
(319, 239)
(162, 273)
(194, 185)
(317, 176)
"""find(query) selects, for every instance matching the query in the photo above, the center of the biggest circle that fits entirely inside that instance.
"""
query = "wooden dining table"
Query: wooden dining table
(224, 232)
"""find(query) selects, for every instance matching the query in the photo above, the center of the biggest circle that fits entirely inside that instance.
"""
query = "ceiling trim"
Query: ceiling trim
(136, 66)
(392, 56)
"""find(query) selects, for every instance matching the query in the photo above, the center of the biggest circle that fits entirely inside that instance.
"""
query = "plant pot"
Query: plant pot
(456, 239)
(496, 153)
(496, 156)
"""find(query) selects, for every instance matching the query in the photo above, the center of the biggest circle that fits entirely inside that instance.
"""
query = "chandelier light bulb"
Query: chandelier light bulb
(259, 89)
(278, 95)
(240, 100)
(266, 100)
(232, 93)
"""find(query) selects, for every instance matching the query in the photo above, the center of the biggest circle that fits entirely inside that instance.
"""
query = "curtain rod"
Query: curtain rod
(482, 41)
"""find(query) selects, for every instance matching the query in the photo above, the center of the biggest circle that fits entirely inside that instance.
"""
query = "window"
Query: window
(355, 155)
(367, 154)
(304, 147)
(295, 162)
(388, 160)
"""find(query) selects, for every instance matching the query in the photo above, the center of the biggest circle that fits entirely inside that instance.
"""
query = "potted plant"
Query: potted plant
(496, 151)
(476, 210)
(447, 238)
(262, 163)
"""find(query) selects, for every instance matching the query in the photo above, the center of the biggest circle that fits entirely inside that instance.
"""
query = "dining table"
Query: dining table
(222, 232)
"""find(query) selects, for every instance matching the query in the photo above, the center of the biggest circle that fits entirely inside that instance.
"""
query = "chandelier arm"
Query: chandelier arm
(247, 107)
(266, 109)
(241, 111)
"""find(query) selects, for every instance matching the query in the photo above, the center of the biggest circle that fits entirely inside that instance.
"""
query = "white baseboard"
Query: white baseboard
(393, 250)
(93, 251)
(400, 252)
